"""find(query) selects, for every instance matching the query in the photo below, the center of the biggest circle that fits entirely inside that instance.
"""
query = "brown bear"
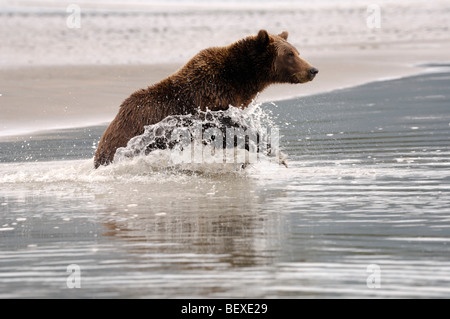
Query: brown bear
(214, 79)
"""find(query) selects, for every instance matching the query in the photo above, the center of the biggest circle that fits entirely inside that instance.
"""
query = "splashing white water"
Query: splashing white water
(228, 140)
(135, 163)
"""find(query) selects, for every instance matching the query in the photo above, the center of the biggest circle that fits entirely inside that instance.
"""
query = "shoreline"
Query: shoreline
(65, 97)
(37, 135)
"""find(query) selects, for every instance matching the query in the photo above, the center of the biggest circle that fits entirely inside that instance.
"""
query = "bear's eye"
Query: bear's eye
(291, 54)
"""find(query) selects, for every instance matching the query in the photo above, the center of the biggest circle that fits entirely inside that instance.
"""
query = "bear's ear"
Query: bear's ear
(284, 35)
(263, 38)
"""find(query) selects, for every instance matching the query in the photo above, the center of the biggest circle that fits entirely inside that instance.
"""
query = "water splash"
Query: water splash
(211, 140)
(155, 156)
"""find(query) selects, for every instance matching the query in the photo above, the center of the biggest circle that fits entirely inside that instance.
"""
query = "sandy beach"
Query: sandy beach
(55, 77)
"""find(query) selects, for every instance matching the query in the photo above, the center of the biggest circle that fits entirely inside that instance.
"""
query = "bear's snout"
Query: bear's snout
(312, 73)
(304, 76)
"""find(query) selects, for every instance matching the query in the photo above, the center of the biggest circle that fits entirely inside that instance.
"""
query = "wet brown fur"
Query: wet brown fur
(215, 78)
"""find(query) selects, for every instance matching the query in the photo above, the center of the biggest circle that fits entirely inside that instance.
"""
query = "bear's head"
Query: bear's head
(288, 66)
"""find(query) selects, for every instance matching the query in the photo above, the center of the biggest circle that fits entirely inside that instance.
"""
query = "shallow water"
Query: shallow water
(368, 184)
